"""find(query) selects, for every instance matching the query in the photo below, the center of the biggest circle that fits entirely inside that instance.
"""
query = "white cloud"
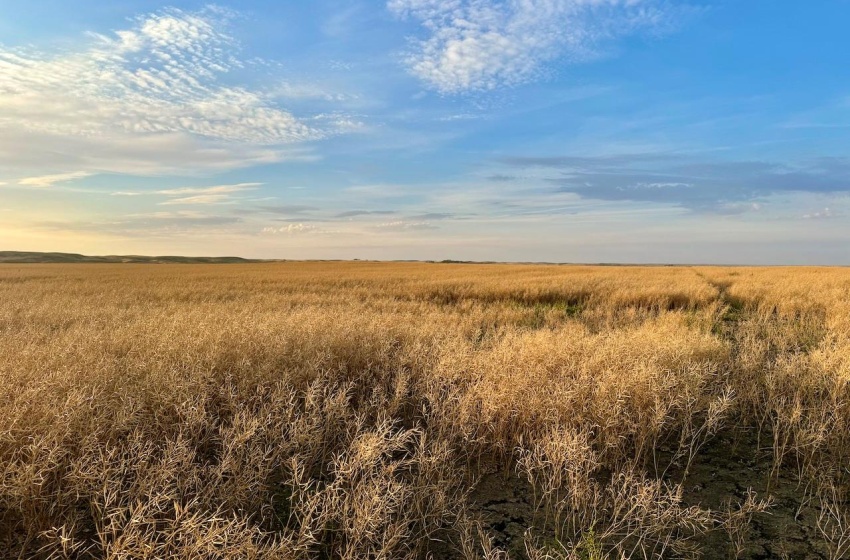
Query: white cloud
(302, 91)
(460, 117)
(217, 189)
(196, 195)
(199, 199)
(292, 229)
(402, 225)
(662, 185)
(486, 44)
(50, 180)
(820, 215)
(149, 99)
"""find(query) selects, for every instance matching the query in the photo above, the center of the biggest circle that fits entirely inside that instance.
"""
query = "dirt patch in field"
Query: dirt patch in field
(505, 504)
(732, 465)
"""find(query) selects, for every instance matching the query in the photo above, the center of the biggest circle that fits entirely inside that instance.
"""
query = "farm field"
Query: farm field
(424, 410)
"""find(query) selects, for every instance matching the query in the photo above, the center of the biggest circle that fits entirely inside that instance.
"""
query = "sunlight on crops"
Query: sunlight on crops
(362, 410)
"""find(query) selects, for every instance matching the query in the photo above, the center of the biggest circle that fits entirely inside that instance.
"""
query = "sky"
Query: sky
(633, 131)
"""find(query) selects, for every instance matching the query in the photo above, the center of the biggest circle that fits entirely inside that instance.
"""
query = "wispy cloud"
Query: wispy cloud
(216, 189)
(460, 117)
(403, 225)
(146, 225)
(487, 44)
(302, 91)
(501, 178)
(820, 215)
(199, 199)
(50, 180)
(146, 99)
(287, 209)
(429, 216)
(292, 229)
(721, 187)
(356, 213)
(196, 195)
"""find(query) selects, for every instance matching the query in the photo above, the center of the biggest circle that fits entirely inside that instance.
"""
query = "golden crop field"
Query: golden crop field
(400, 410)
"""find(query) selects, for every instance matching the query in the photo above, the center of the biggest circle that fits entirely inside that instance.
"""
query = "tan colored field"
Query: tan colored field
(363, 410)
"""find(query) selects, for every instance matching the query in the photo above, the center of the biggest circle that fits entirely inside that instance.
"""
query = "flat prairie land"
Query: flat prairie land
(423, 410)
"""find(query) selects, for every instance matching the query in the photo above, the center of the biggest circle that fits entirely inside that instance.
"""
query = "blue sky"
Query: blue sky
(712, 131)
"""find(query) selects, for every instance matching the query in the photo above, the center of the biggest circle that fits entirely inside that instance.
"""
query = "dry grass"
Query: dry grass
(346, 410)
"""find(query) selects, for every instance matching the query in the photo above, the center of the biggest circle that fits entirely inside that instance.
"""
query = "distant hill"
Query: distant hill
(70, 258)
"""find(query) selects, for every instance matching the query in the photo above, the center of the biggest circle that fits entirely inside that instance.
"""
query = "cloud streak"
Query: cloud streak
(50, 180)
(722, 187)
(487, 44)
(217, 189)
(218, 194)
(357, 213)
(824, 214)
(146, 225)
(292, 229)
(199, 199)
(404, 225)
(196, 195)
